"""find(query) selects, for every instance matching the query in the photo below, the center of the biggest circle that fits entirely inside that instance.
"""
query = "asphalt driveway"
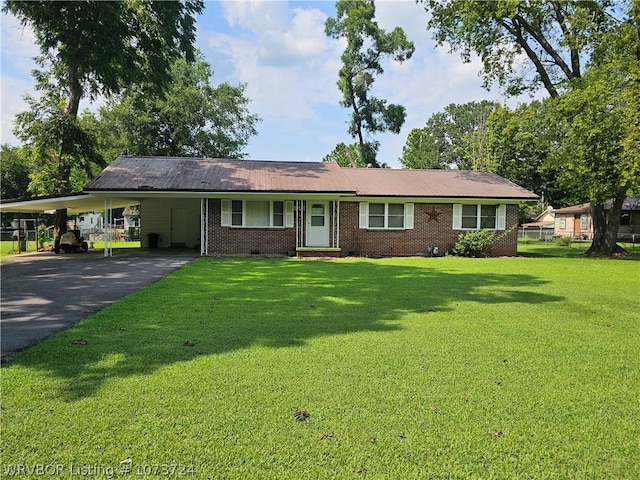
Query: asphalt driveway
(44, 293)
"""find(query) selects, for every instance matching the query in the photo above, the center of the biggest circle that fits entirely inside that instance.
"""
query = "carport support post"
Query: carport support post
(204, 225)
(108, 228)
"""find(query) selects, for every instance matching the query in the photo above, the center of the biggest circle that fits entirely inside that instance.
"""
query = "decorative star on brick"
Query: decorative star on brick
(433, 215)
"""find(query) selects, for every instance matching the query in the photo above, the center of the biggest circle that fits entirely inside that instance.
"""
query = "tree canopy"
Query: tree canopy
(98, 48)
(346, 156)
(43, 129)
(191, 118)
(555, 36)
(367, 46)
(14, 173)
(454, 138)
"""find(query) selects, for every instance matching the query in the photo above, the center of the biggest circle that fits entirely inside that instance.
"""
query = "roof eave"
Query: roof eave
(216, 193)
(450, 199)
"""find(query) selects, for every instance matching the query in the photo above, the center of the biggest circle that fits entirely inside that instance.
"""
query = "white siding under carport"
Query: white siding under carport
(156, 217)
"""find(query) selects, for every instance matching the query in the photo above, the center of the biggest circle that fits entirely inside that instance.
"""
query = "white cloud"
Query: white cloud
(283, 36)
(18, 50)
(12, 90)
(18, 42)
(283, 55)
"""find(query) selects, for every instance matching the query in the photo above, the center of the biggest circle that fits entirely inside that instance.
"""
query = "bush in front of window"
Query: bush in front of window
(474, 244)
(564, 241)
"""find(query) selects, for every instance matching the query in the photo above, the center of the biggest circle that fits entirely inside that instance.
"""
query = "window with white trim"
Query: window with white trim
(386, 216)
(479, 217)
(256, 213)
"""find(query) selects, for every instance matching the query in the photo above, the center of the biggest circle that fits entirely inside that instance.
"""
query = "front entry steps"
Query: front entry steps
(307, 252)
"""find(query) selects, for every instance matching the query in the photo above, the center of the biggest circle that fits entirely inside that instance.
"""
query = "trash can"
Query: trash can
(153, 239)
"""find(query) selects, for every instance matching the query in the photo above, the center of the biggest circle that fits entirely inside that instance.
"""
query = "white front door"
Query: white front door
(318, 224)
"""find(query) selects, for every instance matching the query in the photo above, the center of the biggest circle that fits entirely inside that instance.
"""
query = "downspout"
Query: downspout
(204, 225)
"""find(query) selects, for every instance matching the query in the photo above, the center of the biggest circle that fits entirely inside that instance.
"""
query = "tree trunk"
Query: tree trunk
(605, 228)
(61, 218)
(59, 227)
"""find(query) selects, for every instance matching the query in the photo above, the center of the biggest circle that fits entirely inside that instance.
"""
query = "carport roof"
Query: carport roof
(80, 202)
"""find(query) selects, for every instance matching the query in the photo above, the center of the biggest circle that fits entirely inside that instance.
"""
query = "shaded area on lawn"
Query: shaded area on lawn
(218, 306)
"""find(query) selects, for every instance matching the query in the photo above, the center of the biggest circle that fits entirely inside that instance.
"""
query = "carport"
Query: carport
(75, 203)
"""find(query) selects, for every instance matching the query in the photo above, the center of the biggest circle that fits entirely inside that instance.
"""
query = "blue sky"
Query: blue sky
(290, 66)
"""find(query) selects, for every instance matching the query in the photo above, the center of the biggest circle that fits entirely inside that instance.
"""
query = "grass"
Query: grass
(390, 368)
(8, 248)
(118, 244)
(536, 248)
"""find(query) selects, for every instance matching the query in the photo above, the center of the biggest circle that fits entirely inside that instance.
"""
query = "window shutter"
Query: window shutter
(501, 217)
(457, 216)
(408, 216)
(288, 214)
(225, 212)
(364, 215)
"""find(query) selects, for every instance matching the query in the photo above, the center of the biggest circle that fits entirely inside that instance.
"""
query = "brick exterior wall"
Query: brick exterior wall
(432, 227)
(245, 241)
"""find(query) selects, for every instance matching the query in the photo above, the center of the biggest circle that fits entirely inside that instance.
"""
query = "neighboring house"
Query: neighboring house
(576, 221)
(87, 222)
(131, 217)
(542, 227)
(261, 207)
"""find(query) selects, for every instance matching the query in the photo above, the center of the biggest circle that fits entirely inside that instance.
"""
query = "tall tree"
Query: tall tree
(455, 138)
(603, 143)
(368, 46)
(192, 118)
(98, 48)
(556, 37)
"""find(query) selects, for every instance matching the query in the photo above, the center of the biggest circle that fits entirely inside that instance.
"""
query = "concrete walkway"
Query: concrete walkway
(44, 293)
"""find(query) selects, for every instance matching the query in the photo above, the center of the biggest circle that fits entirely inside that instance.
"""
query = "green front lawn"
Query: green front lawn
(393, 368)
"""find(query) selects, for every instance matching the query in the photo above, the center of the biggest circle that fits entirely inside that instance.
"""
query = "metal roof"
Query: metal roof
(219, 175)
(129, 179)
(434, 183)
(177, 174)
